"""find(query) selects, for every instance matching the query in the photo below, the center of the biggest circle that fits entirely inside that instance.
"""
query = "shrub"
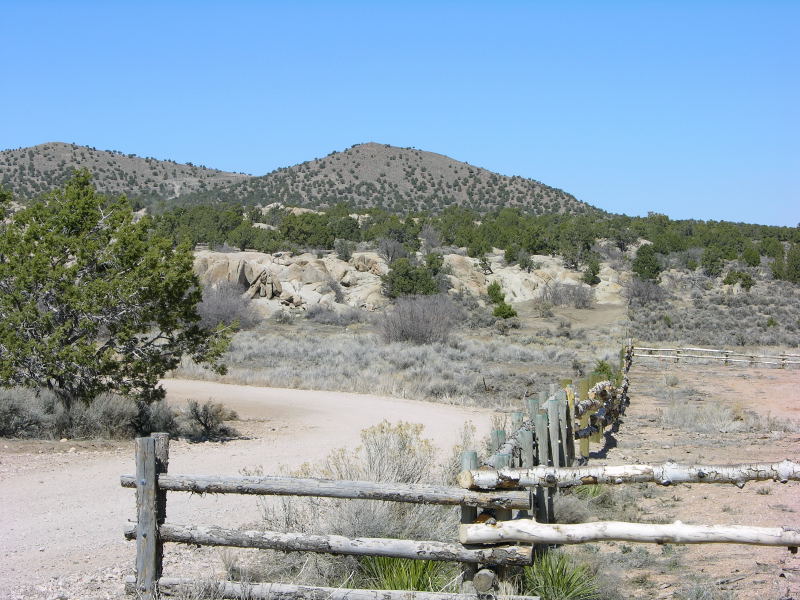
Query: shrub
(420, 319)
(504, 311)
(406, 279)
(495, 293)
(344, 249)
(391, 250)
(646, 264)
(740, 277)
(224, 304)
(201, 422)
(643, 291)
(18, 414)
(555, 576)
(561, 294)
(330, 316)
(712, 261)
(590, 274)
(604, 370)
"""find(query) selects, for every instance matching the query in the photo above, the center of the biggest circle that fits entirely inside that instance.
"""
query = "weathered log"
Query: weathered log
(484, 581)
(332, 488)
(531, 532)
(666, 474)
(174, 586)
(336, 544)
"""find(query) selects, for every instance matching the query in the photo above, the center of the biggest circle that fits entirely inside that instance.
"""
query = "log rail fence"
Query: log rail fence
(506, 502)
(782, 360)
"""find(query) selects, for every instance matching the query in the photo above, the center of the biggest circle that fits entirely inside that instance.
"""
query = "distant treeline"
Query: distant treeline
(518, 233)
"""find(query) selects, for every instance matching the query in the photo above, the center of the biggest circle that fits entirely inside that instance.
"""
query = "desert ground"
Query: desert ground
(64, 511)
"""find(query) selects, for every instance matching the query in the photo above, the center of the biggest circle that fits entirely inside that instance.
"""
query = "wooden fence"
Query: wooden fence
(152, 482)
(781, 360)
(507, 502)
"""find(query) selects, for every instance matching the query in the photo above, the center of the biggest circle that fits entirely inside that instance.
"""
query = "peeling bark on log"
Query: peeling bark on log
(331, 488)
(174, 586)
(336, 544)
(666, 474)
(531, 532)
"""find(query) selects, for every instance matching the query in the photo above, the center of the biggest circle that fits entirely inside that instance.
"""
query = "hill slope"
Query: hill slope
(29, 172)
(365, 176)
(399, 179)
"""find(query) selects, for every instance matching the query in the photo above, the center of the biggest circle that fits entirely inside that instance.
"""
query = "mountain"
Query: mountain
(399, 179)
(364, 176)
(29, 172)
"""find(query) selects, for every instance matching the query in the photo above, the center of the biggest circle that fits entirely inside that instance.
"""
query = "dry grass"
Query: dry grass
(462, 371)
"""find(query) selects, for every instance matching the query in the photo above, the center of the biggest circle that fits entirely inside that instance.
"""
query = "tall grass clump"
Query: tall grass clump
(565, 294)
(385, 573)
(555, 576)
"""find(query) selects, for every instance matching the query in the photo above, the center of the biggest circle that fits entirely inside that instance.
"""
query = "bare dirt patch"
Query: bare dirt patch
(725, 570)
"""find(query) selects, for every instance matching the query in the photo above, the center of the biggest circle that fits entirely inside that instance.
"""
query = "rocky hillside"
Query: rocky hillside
(367, 175)
(398, 179)
(29, 172)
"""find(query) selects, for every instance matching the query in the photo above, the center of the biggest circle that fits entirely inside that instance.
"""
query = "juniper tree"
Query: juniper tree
(92, 301)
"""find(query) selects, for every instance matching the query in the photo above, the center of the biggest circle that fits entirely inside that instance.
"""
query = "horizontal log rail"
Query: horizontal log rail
(731, 360)
(666, 474)
(189, 588)
(527, 531)
(337, 544)
(332, 488)
(728, 352)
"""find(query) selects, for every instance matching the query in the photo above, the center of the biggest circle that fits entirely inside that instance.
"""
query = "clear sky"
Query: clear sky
(686, 108)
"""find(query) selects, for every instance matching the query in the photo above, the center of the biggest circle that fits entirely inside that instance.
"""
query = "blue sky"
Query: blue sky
(685, 108)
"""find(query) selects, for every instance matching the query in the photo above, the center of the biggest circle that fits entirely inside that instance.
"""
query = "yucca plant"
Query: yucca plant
(554, 576)
(385, 573)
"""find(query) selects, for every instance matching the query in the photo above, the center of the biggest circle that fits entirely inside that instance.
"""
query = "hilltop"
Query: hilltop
(29, 172)
(399, 179)
(365, 176)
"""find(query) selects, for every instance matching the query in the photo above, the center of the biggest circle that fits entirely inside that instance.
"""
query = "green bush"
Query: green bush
(406, 279)
(740, 277)
(495, 293)
(504, 311)
(554, 576)
(646, 265)
(590, 273)
(604, 370)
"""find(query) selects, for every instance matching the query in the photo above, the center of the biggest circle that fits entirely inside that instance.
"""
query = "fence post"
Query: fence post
(583, 389)
(162, 465)
(469, 514)
(542, 458)
(498, 439)
(554, 431)
(148, 563)
(570, 408)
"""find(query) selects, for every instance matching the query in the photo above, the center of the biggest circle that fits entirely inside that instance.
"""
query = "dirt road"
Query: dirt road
(62, 510)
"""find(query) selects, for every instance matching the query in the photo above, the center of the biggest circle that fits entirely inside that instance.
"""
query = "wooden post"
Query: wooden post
(469, 514)
(561, 403)
(162, 465)
(498, 439)
(570, 421)
(542, 458)
(554, 431)
(533, 408)
(527, 457)
(148, 563)
(583, 390)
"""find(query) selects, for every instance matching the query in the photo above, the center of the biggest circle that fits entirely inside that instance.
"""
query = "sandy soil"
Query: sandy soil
(62, 510)
(745, 572)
